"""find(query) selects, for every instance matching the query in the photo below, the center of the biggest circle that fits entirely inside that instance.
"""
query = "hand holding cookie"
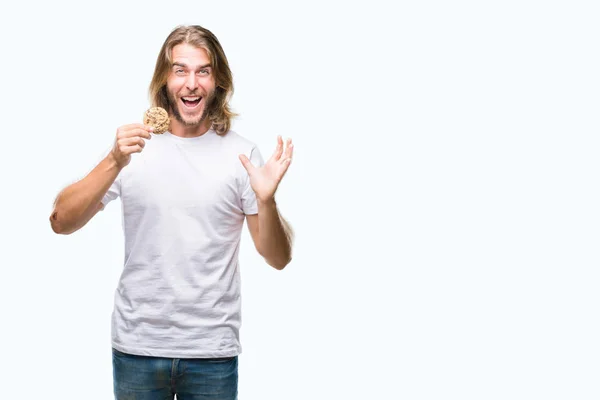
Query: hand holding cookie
(158, 118)
(130, 139)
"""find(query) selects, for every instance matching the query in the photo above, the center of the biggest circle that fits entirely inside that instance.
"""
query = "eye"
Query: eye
(204, 71)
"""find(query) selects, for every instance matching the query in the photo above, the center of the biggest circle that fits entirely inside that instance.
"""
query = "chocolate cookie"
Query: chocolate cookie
(158, 118)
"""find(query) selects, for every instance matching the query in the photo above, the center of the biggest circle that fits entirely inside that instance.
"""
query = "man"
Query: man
(176, 320)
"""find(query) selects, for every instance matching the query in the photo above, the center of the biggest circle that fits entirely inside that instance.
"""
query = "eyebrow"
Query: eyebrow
(178, 64)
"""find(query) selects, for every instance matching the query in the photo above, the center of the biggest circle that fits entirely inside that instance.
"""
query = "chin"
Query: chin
(197, 120)
(191, 120)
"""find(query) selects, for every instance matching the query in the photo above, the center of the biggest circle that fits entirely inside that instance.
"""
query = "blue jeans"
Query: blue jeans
(157, 378)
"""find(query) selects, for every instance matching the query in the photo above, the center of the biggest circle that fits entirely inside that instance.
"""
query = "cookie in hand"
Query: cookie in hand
(158, 118)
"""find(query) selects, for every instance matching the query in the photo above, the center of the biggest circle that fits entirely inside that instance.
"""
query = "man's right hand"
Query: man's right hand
(129, 140)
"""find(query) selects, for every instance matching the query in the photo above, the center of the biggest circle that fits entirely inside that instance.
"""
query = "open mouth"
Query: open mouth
(191, 102)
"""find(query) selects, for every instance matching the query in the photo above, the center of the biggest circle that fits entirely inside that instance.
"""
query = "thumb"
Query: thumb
(246, 163)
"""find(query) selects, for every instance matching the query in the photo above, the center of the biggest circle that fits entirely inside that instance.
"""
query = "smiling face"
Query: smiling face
(190, 86)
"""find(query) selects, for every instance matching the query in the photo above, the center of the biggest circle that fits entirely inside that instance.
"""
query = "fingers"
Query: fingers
(289, 152)
(285, 161)
(246, 163)
(132, 149)
(278, 150)
(132, 126)
(134, 130)
(127, 149)
(283, 152)
(130, 139)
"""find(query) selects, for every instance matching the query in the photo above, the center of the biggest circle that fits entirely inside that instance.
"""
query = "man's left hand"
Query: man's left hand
(265, 180)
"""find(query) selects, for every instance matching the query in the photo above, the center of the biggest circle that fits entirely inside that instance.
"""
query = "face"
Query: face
(190, 84)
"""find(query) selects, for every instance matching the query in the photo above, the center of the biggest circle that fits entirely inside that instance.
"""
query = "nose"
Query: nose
(191, 82)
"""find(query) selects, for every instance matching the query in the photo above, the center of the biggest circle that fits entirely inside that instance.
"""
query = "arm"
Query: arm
(272, 235)
(78, 203)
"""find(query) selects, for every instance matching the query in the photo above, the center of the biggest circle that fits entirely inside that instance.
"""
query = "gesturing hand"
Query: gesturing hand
(265, 180)
(129, 140)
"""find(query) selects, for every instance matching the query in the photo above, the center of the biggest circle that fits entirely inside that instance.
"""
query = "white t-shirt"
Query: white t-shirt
(184, 202)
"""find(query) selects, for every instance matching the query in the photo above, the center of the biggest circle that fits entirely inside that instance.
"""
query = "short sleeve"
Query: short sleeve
(249, 205)
(114, 191)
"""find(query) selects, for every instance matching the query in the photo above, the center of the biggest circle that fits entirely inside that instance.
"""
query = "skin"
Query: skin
(191, 75)
(271, 233)
(77, 204)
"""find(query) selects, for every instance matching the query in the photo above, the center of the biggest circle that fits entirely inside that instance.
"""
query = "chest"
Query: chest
(182, 182)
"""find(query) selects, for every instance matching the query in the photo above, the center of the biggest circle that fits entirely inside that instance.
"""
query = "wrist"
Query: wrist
(112, 161)
(267, 202)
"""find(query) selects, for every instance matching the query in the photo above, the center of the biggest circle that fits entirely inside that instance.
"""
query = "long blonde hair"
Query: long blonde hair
(220, 113)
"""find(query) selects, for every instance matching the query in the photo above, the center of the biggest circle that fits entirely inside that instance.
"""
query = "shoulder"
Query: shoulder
(240, 143)
(238, 139)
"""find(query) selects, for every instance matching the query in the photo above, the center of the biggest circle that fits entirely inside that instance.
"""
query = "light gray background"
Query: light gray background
(444, 193)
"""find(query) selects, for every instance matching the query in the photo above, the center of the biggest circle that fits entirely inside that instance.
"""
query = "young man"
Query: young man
(176, 318)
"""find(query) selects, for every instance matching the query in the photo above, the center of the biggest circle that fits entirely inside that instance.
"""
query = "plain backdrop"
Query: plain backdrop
(443, 192)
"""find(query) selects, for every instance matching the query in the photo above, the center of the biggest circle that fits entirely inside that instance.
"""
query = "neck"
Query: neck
(188, 131)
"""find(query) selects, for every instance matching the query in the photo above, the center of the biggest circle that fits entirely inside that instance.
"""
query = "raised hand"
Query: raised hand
(265, 180)
(129, 140)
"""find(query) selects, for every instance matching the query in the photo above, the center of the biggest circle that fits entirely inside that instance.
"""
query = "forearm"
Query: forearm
(274, 235)
(78, 202)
